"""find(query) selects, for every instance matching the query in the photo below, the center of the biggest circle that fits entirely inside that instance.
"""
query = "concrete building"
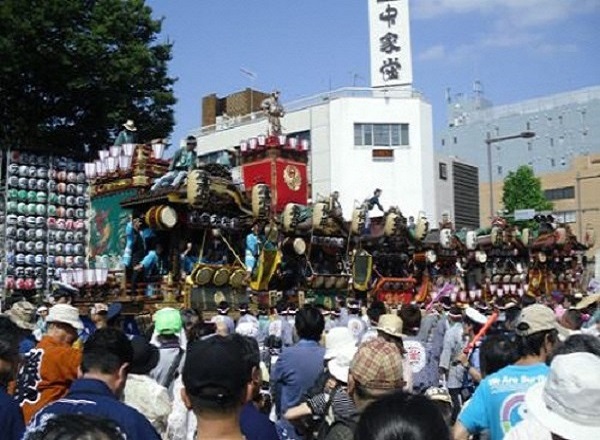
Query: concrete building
(457, 192)
(563, 151)
(360, 139)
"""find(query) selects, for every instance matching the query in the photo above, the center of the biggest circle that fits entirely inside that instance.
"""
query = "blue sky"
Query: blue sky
(518, 49)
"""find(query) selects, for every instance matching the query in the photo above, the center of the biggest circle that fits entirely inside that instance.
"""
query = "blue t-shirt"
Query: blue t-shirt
(497, 403)
(256, 425)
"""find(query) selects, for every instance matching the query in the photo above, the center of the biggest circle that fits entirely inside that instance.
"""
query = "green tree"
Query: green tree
(522, 190)
(72, 71)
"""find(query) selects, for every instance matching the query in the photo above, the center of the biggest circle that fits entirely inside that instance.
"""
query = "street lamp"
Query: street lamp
(489, 141)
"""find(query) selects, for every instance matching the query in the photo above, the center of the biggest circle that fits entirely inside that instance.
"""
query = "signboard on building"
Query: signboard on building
(389, 34)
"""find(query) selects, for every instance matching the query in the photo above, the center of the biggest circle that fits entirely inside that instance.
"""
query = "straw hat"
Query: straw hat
(129, 125)
(21, 313)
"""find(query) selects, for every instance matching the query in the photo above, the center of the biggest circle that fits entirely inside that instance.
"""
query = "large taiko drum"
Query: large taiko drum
(589, 237)
(480, 257)
(204, 275)
(341, 282)
(525, 236)
(359, 218)
(421, 228)
(330, 281)
(161, 217)
(198, 187)
(294, 245)
(390, 227)
(289, 217)
(221, 276)
(471, 240)
(261, 200)
(320, 216)
(318, 281)
(496, 236)
(237, 278)
(446, 238)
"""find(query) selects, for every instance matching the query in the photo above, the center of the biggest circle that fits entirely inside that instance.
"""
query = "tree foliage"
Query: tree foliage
(72, 71)
(522, 190)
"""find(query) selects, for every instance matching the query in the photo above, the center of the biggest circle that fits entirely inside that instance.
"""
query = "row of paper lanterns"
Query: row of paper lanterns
(260, 142)
(84, 277)
(117, 158)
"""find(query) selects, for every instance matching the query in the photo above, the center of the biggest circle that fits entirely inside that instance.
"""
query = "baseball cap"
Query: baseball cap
(168, 321)
(537, 318)
(145, 356)
(214, 374)
(438, 393)
(378, 365)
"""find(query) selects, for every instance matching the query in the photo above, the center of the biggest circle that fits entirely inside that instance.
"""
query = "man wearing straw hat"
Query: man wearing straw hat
(183, 161)
(127, 135)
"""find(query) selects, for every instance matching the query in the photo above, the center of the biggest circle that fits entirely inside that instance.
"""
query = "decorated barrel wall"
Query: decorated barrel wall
(44, 220)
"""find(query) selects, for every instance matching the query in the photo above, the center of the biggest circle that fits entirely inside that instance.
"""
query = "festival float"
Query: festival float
(66, 221)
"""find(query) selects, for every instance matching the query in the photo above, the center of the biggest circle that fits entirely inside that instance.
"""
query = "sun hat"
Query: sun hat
(21, 314)
(339, 366)
(378, 365)
(536, 318)
(65, 314)
(588, 301)
(167, 321)
(567, 402)
(130, 125)
(247, 328)
(391, 324)
(475, 315)
(213, 374)
(145, 356)
(338, 339)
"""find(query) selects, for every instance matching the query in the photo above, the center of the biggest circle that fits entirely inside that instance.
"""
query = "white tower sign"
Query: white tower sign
(389, 34)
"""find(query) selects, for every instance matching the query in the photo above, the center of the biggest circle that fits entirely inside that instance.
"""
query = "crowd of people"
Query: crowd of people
(527, 369)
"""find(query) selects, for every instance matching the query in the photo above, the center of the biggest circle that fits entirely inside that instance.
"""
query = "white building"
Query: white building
(360, 140)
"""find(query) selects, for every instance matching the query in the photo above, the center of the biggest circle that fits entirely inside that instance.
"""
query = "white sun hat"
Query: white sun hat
(65, 314)
(339, 366)
(567, 402)
(338, 339)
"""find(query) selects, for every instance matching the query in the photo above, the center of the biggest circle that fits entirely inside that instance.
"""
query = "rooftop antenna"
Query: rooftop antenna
(448, 97)
(477, 92)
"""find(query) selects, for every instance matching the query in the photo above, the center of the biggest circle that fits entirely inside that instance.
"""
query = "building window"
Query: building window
(381, 135)
(552, 162)
(528, 126)
(565, 216)
(455, 140)
(567, 192)
(500, 169)
(443, 142)
(443, 171)
(552, 142)
(529, 146)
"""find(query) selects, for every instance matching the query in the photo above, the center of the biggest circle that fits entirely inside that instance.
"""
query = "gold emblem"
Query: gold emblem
(292, 177)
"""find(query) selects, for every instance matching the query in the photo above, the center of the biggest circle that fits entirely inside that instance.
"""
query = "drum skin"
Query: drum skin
(237, 278)
(221, 276)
